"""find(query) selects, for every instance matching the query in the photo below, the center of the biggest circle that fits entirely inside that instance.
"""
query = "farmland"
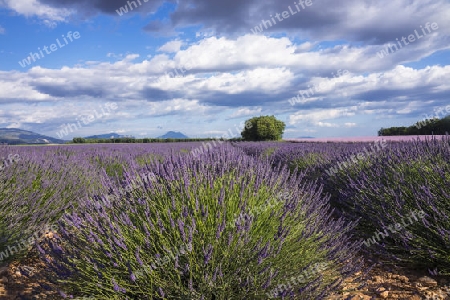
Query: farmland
(240, 220)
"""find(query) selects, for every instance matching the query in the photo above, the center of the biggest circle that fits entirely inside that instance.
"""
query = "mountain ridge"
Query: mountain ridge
(173, 135)
(16, 136)
(106, 136)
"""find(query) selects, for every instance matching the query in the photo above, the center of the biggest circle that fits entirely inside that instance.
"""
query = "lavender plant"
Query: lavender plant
(35, 192)
(406, 178)
(131, 243)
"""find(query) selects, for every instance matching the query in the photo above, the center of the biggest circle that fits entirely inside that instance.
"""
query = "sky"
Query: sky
(327, 68)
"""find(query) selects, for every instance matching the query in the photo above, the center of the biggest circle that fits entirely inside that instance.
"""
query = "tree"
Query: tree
(78, 140)
(263, 128)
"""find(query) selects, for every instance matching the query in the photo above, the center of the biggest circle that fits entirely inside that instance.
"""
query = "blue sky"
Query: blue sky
(203, 66)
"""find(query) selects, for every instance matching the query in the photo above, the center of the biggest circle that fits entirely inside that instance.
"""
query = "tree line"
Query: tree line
(433, 126)
(79, 140)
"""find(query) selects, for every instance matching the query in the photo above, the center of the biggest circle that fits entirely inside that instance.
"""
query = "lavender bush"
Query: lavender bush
(35, 191)
(406, 178)
(168, 238)
(38, 184)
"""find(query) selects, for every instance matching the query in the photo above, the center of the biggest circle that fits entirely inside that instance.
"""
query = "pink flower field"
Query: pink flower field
(403, 138)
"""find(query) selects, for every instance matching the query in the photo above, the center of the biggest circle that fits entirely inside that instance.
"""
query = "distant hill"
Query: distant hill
(15, 136)
(306, 137)
(106, 136)
(173, 135)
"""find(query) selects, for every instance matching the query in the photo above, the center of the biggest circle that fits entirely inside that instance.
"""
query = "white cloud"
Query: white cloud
(242, 112)
(326, 124)
(214, 133)
(171, 47)
(433, 80)
(29, 8)
(248, 50)
(235, 72)
(317, 116)
(113, 55)
(263, 80)
(310, 130)
(178, 105)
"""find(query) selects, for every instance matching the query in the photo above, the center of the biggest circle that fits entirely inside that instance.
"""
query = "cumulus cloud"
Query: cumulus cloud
(234, 79)
(317, 116)
(243, 112)
(171, 47)
(404, 87)
(326, 124)
(47, 12)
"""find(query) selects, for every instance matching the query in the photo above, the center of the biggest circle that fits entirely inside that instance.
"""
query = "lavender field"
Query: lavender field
(243, 220)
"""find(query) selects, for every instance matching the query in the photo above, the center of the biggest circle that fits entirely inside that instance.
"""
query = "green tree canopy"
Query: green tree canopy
(263, 128)
(424, 127)
(78, 140)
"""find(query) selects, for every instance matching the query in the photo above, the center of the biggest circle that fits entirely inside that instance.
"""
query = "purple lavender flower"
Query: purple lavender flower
(181, 229)
(172, 222)
(116, 287)
(138, 257)
(208, 254)
(222, 196)
(161, 292)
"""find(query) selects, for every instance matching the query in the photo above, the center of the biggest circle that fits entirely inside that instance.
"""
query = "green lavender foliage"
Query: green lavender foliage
(406, 178)
(223, 226)
(35, 192)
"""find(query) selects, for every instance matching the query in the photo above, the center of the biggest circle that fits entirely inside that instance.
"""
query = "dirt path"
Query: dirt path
(379, 283)
(383, 282)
